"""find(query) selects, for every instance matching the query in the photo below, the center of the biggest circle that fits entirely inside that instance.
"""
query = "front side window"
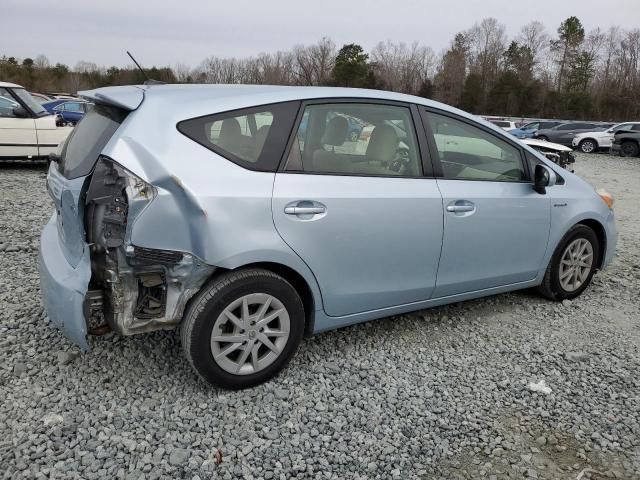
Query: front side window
(7, 104)
(254, 138)
(355, 139)
(467, 152)
(531, 126)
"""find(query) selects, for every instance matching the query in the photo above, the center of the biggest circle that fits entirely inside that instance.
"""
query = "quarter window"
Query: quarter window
(355, 139)
(470, 153)
(254, 138)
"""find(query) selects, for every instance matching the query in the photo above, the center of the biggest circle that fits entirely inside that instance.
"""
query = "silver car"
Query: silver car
(251, 216)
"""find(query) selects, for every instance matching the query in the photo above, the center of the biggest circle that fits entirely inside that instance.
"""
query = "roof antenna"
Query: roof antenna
(148, 81)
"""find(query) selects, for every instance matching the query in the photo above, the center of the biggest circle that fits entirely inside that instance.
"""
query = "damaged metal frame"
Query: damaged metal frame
(136, 289)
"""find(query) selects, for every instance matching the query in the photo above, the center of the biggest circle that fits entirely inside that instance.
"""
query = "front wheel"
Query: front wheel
(543, 138)
(572, 265)
(243, 328)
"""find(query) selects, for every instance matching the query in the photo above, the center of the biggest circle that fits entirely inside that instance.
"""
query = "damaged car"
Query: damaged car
(558, 154)
(246, 217)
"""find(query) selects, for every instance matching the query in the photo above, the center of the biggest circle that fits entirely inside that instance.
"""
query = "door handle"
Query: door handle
(304, 210)
(460, 208)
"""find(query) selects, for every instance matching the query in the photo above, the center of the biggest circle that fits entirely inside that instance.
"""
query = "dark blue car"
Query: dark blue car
(69, 111)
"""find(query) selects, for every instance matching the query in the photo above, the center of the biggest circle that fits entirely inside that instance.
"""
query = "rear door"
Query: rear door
(17, 135)
(496, 227)
(357, 209)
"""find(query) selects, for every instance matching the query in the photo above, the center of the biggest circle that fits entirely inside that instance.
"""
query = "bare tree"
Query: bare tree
(487, 43)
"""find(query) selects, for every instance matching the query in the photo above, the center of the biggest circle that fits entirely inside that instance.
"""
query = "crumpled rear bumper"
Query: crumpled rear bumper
(62, 286)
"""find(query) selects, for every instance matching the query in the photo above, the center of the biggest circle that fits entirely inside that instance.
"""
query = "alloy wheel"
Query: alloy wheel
(250, 334)
(587, 146)
(575, 264)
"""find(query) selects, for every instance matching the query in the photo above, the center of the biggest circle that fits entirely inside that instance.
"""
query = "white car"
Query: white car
(27, 130)
(589, 142)
(504, 124)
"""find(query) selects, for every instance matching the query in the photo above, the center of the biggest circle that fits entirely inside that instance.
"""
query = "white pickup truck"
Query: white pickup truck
(27, 130)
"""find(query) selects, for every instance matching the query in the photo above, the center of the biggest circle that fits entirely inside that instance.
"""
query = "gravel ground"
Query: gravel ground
(441, 393)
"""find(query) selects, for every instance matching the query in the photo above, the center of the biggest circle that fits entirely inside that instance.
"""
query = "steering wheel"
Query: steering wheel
(402, 163)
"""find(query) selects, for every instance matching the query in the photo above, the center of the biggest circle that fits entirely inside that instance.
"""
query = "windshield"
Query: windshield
(30, 101)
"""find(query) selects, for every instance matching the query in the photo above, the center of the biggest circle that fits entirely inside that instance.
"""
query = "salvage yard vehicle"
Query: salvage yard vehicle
(589, 142)
(558, 154)
(208, 208)
(27, 130)
(626, 143)
(530, 129)
(564, 133)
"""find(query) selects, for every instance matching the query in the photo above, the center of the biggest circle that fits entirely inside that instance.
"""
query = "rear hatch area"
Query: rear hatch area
(64, 259)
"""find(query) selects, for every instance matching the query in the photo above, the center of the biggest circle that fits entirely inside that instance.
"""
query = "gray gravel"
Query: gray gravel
(443, 393)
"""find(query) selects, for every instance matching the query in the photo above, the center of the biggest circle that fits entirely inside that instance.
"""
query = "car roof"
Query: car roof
(10, 85)
(192, 100)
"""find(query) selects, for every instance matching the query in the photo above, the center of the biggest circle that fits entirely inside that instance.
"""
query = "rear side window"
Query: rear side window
(88, 138)
(254, 138)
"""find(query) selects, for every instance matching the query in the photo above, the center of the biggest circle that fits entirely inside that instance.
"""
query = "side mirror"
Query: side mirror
(543, 177)
(20, 112)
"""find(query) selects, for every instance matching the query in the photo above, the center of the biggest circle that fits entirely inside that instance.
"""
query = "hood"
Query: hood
(534, 142)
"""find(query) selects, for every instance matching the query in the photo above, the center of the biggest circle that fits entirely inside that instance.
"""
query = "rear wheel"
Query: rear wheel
(588, 146)
(572, 266)
(243, 328)
(629, 149)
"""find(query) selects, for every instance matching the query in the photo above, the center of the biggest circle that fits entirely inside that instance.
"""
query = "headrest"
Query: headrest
(383, 144)
(336, 131)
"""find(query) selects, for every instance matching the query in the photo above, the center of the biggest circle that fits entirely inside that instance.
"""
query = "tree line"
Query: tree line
(571, 73)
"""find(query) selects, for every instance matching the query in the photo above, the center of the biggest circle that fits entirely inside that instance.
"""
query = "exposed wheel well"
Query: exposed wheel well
(295, 279)
(602, 238)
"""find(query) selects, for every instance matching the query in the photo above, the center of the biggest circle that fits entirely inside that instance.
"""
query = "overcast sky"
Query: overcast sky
(165, 32)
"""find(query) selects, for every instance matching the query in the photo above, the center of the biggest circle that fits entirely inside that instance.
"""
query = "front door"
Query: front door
(496, 227)
(356, 208)
(17, 135)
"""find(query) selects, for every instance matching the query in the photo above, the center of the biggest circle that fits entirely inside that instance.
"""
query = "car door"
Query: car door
(358, 210)
(496, 227)
(17, 134)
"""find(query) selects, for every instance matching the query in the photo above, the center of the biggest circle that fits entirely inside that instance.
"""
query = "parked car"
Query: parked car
(626, 143)
(558, 154)
(72, 112)
(27, 130)
(277, 233)
(564, 133)
(588, 142)
(506, 124)
(528, 130)
(40, 97)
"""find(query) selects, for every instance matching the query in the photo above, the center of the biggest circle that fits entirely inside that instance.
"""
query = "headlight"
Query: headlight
(606, 197)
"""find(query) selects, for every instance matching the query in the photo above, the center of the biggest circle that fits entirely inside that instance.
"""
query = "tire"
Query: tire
(629, 149)
(552, 287)
(543, 138)
(204, 321)
(588, 146)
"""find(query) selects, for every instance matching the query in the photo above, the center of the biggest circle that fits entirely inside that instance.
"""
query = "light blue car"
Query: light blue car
(529, 130)
(203, 207)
